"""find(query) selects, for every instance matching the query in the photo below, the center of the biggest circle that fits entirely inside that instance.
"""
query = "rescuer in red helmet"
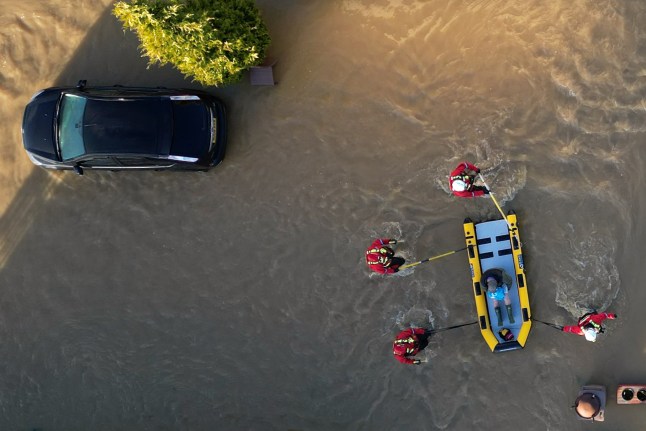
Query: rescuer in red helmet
(463, 182)
(589, 325)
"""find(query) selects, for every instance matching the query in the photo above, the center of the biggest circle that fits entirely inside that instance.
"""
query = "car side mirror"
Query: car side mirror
(78, 170)
(81, 84)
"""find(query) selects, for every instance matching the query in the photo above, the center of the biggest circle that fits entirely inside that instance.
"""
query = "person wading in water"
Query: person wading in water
(463, 183)
(589, 325)
(408, 343)
(381, 258)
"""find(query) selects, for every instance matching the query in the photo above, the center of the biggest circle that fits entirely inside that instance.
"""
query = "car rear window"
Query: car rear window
(191, 129)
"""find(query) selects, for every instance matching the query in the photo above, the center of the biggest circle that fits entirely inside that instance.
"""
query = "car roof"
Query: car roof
(139, 125)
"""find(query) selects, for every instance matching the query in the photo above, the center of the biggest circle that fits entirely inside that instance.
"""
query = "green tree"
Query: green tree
(210, 41)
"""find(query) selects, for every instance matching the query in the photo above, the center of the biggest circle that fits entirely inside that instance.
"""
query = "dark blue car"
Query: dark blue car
(120, 128)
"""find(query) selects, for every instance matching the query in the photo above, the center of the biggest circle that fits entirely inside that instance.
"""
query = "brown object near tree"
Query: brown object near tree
(263, 74)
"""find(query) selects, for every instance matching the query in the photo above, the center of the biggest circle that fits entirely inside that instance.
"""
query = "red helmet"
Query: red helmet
(399, 349)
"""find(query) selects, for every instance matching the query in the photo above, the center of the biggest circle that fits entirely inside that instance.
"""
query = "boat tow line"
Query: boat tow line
(502, 213)
(448, 253)
(553, 325)
(435, 331)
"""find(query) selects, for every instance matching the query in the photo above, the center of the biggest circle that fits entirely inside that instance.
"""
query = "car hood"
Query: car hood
(38, 124)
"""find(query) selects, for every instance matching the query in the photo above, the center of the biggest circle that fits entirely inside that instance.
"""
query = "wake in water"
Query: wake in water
(589, 278)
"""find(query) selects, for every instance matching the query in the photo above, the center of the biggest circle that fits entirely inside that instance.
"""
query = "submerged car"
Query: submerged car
(124, 128)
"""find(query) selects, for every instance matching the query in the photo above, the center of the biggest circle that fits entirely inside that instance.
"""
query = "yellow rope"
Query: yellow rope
(410, 265)
(493, 198)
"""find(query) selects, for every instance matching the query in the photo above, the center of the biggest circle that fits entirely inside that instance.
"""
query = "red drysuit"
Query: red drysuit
(459, 173)
(379, 257)
(407, 344)
(590, 320)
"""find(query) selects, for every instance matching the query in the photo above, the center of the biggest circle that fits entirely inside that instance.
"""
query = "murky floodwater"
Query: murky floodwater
(238, 299)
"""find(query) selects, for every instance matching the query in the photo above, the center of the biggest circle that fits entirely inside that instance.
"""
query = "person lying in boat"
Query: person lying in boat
(589, 325)
(463, 182)
(409, 343)
(497, 282)
(381, 258)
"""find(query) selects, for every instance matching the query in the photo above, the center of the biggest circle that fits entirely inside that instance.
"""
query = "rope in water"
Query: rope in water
(435, 331)
(553, 325)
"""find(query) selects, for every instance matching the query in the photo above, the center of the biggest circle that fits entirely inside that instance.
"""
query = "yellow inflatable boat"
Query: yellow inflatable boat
(494, 248)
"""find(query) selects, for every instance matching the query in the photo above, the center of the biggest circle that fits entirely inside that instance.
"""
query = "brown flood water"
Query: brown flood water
(238, 299)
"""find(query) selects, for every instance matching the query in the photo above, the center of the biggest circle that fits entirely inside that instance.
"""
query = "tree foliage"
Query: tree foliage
(210, 41)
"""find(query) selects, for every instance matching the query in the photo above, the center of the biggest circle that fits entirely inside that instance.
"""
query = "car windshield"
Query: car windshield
(69, 126)
(113, 126)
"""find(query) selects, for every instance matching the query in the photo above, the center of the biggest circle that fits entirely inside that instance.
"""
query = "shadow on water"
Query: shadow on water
(106, 56)
(24, 209)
